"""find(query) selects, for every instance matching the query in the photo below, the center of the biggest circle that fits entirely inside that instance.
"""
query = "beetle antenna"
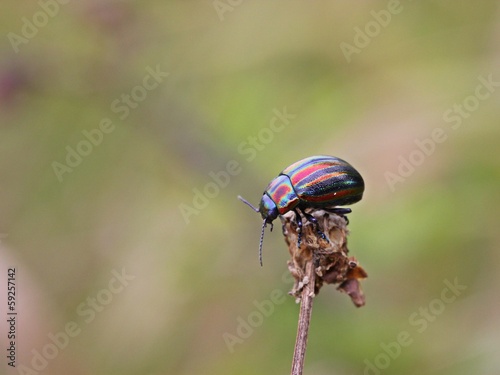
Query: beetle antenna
(263, 226)
(248, 203)
(261, 241)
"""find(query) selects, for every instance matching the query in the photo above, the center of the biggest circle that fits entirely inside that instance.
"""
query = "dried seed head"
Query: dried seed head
(330, 256)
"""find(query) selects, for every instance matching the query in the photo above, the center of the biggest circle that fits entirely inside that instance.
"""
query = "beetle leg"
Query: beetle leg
(313, 220)
(341, 211)
(298, 221)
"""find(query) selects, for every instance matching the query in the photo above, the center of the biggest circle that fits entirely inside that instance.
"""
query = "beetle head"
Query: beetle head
(268, 209)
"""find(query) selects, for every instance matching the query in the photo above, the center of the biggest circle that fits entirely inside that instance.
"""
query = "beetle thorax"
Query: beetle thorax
(282, 193)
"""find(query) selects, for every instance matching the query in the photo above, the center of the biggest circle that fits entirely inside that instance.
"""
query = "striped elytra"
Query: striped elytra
(322, 181)
(314, 182)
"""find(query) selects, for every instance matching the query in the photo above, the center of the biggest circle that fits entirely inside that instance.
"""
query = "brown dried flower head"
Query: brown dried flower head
(330, 256)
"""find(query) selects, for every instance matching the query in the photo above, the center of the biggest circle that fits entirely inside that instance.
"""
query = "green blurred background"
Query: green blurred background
(366, 82)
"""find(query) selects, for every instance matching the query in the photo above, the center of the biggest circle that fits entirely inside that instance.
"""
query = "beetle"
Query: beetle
(315, 182)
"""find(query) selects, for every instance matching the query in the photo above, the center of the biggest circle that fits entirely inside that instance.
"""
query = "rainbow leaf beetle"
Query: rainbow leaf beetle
(315, 182)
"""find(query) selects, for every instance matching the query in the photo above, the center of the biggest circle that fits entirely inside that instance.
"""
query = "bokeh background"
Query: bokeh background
(364, 81)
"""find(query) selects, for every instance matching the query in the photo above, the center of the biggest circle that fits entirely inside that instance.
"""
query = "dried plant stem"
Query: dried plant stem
(306, 305)
(319, 260)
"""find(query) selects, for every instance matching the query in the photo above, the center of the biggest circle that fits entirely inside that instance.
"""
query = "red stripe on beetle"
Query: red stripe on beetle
(305, 173)
(319, 179)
